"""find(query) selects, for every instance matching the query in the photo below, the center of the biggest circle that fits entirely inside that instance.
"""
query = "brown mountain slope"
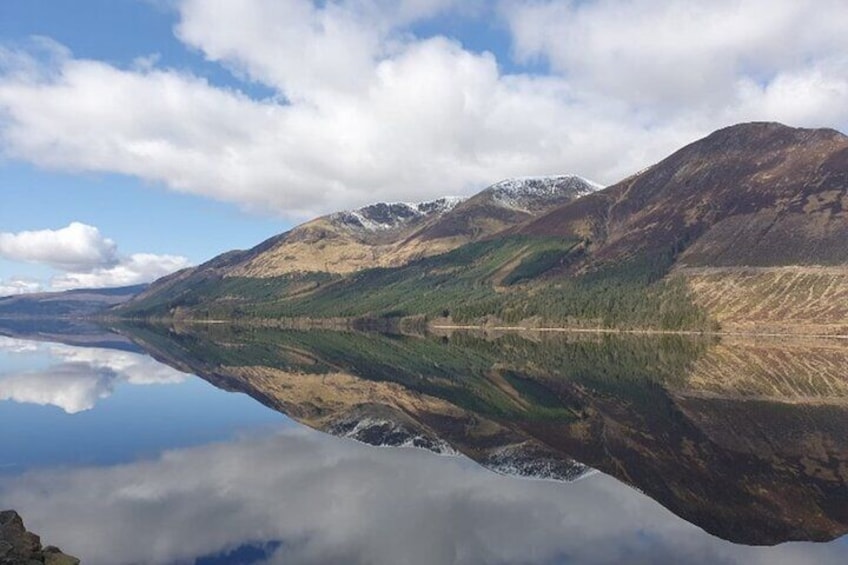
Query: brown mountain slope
(345, 242)
(802, 299)
(760, 194)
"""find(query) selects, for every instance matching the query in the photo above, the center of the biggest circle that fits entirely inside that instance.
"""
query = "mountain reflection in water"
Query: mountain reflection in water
(745, 440)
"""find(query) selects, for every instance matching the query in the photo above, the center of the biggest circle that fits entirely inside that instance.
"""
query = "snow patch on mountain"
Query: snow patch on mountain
(527, 193)
(520, 193)
(384, 216)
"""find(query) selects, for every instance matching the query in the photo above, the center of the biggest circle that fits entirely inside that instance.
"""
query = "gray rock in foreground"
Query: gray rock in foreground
(20, 547)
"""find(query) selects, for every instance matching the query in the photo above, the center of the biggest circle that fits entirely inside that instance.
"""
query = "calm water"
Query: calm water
(239, 446)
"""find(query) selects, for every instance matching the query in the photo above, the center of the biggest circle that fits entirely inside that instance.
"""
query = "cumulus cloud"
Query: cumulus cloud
(431, 119)
(701, 64)
(133, 368)
(88, 259)
(80, 376)
(320, 50)
(364, 110)
(329, 500)
(77, 247)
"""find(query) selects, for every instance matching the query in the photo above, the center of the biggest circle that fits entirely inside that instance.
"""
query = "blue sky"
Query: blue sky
(168, 131)
(141, 215)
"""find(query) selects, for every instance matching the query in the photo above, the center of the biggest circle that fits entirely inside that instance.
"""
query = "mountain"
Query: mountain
(745, 230)
(378, 235)
(347, 241)
(501, 206)
(67, 304)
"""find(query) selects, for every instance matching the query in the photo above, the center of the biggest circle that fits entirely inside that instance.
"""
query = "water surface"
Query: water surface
(162, 445)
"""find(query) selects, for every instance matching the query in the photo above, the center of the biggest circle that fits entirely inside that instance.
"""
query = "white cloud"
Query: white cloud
(88, 259)
(690, 58)
(73, 388)
(432, 119)
(135, 269)
(366, 111)
(319, 51)
(133, 368)
(78, 247)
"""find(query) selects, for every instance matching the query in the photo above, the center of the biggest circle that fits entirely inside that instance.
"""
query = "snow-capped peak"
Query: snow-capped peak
(388, 215)
(529, 193)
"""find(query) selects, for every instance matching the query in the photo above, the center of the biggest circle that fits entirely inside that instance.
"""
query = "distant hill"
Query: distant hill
(71, 303)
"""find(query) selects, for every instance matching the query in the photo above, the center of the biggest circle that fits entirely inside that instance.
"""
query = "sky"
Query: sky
(142, 136)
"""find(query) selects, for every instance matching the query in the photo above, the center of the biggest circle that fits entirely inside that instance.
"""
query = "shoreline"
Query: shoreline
(636, 331)
(410, 325)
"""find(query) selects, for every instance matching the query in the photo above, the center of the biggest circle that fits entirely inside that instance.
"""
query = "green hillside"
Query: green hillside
(505, 280)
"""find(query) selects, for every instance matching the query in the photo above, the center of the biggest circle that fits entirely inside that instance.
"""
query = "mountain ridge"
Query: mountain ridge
(651, 251)
(333, 245)
(388, 234)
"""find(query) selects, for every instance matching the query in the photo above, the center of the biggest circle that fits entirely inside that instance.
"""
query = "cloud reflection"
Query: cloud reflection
(12, 345)
(329, 500)
(78, 377)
